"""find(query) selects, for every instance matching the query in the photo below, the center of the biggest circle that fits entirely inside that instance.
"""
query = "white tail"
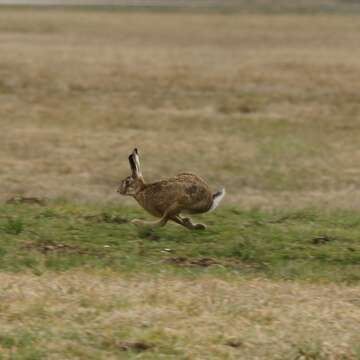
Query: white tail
(217, 197)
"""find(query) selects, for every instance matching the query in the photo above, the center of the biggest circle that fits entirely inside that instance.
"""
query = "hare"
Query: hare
(168, 198)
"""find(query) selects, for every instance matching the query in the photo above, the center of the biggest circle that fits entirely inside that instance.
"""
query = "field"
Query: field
(264, 104)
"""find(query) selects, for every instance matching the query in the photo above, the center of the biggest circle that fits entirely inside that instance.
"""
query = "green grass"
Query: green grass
(24, 342)
(311, 245)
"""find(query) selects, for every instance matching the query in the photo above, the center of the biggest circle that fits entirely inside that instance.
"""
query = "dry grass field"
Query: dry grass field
(88, 316)
(267, 105)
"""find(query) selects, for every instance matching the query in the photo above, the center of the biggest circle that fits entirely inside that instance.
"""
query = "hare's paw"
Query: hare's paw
(190, 225)
(137, 222)
(199, 227)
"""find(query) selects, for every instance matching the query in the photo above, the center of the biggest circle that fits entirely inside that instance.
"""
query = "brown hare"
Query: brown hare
(168, 198)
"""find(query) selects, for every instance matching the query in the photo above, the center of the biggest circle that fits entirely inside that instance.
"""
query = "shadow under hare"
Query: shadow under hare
(169, 198)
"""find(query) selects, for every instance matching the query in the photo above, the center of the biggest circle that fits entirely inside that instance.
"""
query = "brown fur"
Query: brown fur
(168, 198)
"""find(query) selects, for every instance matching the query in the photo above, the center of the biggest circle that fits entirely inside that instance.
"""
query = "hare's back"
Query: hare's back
(188, 190)
(196, 192)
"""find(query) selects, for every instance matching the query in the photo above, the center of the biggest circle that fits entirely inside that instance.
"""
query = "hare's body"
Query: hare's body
(188, 191)
(169, 198)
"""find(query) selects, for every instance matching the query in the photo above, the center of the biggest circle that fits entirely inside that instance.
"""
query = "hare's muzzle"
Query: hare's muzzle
(122, 187)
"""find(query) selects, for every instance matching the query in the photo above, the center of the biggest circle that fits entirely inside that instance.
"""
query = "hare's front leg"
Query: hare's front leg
(160, 222)
(168, 214)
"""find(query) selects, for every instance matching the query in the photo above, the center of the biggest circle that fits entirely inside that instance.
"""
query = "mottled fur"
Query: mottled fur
(168, 198)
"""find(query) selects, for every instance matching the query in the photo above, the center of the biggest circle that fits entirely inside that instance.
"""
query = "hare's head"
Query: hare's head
(135, 182)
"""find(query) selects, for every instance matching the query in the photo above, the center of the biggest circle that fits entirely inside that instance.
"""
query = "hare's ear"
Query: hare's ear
(137, 162)
(132, 166)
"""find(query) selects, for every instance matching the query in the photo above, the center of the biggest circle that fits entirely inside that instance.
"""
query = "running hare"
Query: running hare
(168, 198)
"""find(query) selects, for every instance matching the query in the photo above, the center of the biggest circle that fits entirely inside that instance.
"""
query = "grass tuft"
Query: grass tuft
(13, 226)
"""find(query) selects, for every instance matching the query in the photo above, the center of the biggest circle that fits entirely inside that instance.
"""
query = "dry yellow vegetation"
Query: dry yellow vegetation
(104, 316)
(267, 106)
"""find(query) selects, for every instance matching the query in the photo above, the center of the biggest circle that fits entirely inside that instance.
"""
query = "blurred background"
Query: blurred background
(261, 97)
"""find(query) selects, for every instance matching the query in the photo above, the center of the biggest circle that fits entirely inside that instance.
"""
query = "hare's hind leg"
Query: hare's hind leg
(187, 223)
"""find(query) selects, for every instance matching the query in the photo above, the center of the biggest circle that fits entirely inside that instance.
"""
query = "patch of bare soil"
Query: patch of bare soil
(234, 343)
(30, 200)
(321, 239)
(106, 218)
(48, 246)
(137, 346)
(184, 261)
